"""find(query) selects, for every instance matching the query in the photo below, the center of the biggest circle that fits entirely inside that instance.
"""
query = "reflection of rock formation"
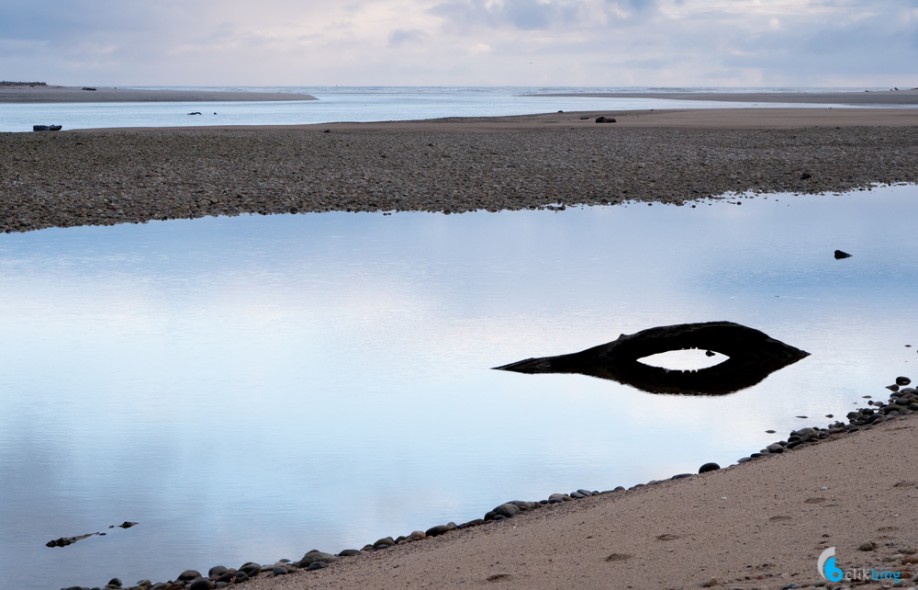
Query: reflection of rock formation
(752, 354)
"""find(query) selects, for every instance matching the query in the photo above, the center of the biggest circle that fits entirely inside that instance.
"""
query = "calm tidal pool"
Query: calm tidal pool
(250, 388)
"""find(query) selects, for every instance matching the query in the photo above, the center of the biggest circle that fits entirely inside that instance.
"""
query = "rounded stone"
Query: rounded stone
(507, 510)
(903, 381)
(199, 584)
(250, 568)
(114, 583)
(384, 543)
(217, 571)
(314, 556)
(708, 467)
(440, 529)
(189, 575)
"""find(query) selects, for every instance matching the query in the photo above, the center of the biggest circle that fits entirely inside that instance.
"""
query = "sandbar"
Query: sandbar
(107, 176)
(69, 94)
(886, 97)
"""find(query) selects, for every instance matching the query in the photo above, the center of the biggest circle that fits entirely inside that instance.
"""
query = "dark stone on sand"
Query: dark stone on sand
(604, 119)
(349, 553)
(188, 575)
(471, 523)
(805, 176)
(903, 381)
(250, 568)
(199, 584)
(708, 467)
(839, 254)
(440, 529)
(317, 565)
(506, 510)
(114, 583)
(681, 475)
(313, 556)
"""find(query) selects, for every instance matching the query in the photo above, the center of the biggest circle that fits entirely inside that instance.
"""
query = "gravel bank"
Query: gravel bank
(114, 176)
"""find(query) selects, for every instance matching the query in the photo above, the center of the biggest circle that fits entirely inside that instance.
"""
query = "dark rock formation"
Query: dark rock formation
(752, 354)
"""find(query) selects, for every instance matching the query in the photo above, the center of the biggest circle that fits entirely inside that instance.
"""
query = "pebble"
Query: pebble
(315, 555)
(708, 467)
(188, 575)
(440, 529)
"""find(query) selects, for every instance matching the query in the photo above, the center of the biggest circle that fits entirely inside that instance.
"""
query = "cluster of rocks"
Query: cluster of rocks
(902, 401)
(117, 176)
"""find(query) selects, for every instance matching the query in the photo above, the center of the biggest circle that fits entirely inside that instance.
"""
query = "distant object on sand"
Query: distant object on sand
(46, 127)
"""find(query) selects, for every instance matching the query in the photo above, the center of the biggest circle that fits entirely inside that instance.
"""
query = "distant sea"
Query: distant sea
(359, 103)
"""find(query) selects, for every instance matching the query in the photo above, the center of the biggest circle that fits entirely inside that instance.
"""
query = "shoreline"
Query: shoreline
(26, 94)
(761, 522)
(109, 176)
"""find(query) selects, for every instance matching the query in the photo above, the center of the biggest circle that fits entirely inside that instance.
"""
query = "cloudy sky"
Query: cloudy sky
(851, 43)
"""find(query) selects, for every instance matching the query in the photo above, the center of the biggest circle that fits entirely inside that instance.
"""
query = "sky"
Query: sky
(671, 43)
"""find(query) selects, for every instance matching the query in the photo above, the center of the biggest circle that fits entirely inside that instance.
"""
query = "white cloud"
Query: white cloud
(560, 42)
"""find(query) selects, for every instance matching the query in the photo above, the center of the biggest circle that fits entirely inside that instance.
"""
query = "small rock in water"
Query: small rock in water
(840, 254)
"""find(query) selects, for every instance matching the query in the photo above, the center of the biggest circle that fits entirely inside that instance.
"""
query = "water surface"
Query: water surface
(250, 388)
(346, 104)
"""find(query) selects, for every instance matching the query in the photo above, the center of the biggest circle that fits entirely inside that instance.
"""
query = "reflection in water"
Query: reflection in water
(752, 356)
(249, 388)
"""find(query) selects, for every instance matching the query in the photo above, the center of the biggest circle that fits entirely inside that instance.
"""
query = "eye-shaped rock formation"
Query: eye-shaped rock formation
(753, 355)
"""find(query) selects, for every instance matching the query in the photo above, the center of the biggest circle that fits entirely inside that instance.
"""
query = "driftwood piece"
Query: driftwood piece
(753, 355)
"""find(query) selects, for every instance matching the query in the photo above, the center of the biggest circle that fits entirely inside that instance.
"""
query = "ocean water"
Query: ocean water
(352, 104)
(250, 388)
